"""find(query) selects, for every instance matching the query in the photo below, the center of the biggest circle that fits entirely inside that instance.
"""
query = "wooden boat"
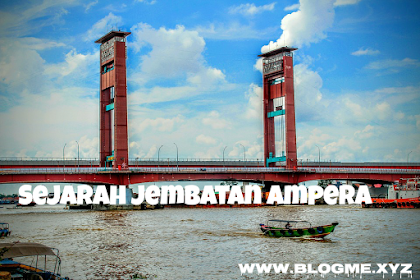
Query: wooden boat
(4, 230)
(285, 228)
(42, 258)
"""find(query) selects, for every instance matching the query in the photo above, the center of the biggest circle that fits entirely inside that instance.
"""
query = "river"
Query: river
(210, 243)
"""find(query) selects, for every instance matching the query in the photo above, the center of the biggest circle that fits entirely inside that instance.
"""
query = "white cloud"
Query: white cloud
(21, 67)
(250, 9)
(103, 26)
(367, 132)
(292, 7)
(417, 117)
(346, 2)
(159, 124)
(174, 51)
(394, 64)
(20, 22)
(137, 150)
(90, 5)
(213, 119)
(75, 63)
(305, 26)
(147, 2)
(234, 31)
(308, 96)
(38, 44)
(203, 139)
(254, 96)
(176, 55)
(366, 51)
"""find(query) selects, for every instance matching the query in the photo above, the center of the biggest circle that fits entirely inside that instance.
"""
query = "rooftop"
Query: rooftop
(112, 34)
(276, 51)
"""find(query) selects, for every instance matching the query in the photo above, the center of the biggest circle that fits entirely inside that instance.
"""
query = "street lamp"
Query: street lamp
(244, 153)
(64, 162)
(78, 166)
(319, 156)
(408, 156)
(158, 153)
(224, 156)
(176, 156)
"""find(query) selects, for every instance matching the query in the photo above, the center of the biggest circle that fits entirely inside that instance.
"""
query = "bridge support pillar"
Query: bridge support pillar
(279, 108)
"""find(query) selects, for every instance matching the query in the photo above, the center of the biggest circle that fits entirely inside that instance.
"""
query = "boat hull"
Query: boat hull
(312, 232)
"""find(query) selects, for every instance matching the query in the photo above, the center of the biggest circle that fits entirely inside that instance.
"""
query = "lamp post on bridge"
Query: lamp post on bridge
(78, 166)
(64, 159)
(158, 153)
(177, 168)
(408, 156)
(244, 153)
(319, 156)
(224, 156)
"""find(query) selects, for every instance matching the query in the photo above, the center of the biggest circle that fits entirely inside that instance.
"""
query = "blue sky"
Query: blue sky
(194, 78)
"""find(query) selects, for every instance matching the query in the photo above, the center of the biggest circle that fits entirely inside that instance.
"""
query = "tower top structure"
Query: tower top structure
(277, 51)
(112, 34)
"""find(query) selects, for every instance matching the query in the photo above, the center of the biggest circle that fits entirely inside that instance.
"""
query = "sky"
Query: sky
(194, 77)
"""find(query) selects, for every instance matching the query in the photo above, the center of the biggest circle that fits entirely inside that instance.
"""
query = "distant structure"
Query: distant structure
(279, 108)
(113, 150)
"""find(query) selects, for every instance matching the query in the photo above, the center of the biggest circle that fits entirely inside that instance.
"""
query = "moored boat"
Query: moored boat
(4, 230)
(290, 229)
(43, 257)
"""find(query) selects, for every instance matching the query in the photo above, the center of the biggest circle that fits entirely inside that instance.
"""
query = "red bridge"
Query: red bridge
(87, 171)
(279, 166)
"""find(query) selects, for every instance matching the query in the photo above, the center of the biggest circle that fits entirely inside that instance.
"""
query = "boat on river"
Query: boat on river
(303, 229)
(4, 230)
(44, 262)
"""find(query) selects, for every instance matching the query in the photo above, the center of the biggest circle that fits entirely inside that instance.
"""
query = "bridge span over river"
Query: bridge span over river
(143, 171)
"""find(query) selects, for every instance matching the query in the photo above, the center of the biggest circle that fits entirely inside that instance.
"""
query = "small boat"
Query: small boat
(4, 230)
(43, 257)
(287, 228)
(32, 203)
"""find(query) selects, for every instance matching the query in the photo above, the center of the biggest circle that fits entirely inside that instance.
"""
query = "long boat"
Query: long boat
(289, 229)
(37, 269)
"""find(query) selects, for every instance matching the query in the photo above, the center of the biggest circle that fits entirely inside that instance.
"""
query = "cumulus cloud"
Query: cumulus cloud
(159, 124)
(215, 121)
(251, 9)
(174, 51)
(103, 26)
(308, 96)
(366, 132)
(80, 64)
(254, 96)
(305, 26)
(203, 139)
(366, 51)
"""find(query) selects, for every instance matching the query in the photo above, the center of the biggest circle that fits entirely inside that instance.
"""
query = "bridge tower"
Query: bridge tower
(279, 108)
(113, 149)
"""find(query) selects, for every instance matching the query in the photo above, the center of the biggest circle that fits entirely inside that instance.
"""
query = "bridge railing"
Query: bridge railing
(97, 170)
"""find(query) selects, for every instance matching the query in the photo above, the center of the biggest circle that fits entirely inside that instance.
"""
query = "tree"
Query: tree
(324, 183)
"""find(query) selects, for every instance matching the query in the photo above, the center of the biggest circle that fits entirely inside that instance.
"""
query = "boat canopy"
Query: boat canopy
(25, 249)
(287, 221)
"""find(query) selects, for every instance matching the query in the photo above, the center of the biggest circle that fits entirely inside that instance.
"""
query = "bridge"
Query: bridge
(87, 171)
(280, 164)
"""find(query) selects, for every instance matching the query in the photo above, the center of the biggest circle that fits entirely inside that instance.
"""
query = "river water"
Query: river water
(210, 243)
